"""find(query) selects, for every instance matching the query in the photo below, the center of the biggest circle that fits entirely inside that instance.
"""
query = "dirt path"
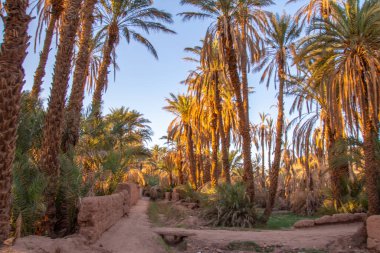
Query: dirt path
(132, 233)
(310, 238)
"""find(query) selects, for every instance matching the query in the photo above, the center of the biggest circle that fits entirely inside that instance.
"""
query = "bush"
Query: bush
(187, 193)
(353, 201)
(304, 203)
(69, 191)
(27, 195)
(230, 207)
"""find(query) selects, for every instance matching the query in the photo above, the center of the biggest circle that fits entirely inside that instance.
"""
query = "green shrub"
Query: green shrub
(353, 201)
(27, 195)
(230, 207)
(28, 182)
(152, 180)
(69, 191)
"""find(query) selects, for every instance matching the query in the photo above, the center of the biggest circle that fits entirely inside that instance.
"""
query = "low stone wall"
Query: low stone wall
(373, 232)
(97, 214)
(332, 219)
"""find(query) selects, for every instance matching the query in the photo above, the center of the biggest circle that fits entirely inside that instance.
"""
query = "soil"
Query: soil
(134, 234)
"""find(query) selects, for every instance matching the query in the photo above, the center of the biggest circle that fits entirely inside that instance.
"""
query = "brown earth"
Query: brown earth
(134, 234)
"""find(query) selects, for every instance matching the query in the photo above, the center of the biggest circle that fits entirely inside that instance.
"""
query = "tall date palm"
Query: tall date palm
(120, 18)
(180, 106)
(52, 132)
(225, 29)
(12, 55)
(50, 12)
(281, 33)
(348, 53)
(82, 64)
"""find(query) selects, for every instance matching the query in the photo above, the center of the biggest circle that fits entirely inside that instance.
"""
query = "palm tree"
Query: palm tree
(207, 84)
(224, 29)
(315, 8)
(12, 55)
(347, 53)
(180, 106)
(121, 18)
(249, 18)
(82, 63)
(308, 93)
(52, 132)
(281, 34)
(51, 13)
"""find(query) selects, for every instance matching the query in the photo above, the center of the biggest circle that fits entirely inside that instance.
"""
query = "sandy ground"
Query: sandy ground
(134, 234)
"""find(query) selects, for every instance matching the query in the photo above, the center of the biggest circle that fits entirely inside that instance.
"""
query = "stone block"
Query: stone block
(304, 224)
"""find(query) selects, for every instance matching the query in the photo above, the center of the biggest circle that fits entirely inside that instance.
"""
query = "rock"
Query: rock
(341, 218)
(304, 224)
(327, 219)
(9, 241)
(344, 217)
(373, 232)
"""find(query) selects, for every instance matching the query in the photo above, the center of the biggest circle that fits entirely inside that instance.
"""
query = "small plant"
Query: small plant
(231, 207)
(159, 213)
(284, 221)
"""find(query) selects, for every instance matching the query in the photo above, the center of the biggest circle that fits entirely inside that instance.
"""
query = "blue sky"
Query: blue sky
(143, 83)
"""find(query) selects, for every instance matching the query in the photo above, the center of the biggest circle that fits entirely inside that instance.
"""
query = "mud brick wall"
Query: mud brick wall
(133, 189)
(97, 214)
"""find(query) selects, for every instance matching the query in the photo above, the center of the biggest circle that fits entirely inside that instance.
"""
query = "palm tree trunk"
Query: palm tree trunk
(214, 147)
(287, 184)
(244, 75)
(40, 71)
(274, 172)
(224, 142)
(191, 156)
(207, 165)
(74, 108)
(52, 132)
(263, 157)
(243, 124)
(180, 167)
(199, 162)
(12, 55)
(370, 135)
(339, 173)
(102, 76)
(270, 148)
